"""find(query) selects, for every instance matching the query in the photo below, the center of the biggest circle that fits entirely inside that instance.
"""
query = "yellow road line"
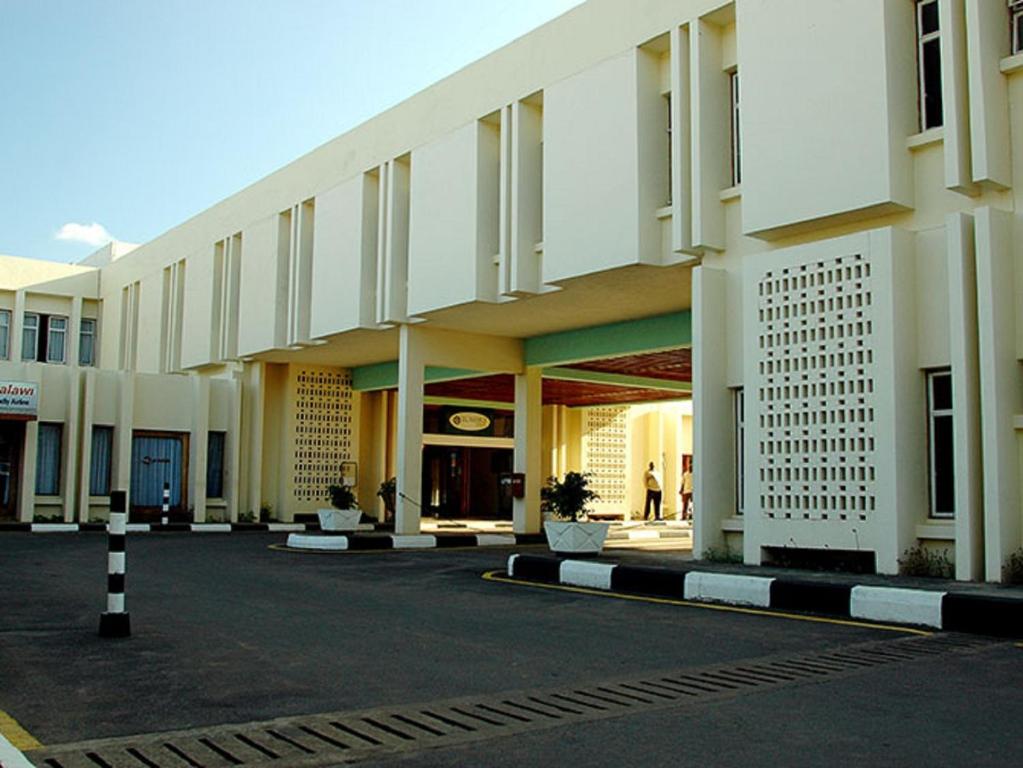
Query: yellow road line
(12, 731)
(497, 576)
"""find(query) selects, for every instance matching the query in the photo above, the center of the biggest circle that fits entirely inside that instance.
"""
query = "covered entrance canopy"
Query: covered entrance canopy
(625, 363)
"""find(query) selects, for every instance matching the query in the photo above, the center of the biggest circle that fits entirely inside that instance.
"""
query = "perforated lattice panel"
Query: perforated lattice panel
(605, 454)
(322, 430)
(816, 397)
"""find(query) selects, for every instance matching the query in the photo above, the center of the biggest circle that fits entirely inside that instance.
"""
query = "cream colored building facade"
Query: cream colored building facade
(833, 249)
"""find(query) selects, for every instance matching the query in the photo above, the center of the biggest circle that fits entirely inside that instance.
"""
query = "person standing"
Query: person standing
(652, 482)
(687, 488)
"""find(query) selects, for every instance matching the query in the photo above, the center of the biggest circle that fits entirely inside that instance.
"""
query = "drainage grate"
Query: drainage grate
(329, 739)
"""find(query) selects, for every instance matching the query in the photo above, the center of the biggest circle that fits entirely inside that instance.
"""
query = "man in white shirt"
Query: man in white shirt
(652, 481)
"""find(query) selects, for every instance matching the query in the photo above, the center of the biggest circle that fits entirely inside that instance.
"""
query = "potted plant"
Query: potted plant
(563, 503)
(388, 494)
(345, 514)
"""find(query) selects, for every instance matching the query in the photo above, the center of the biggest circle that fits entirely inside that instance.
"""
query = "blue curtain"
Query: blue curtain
(102, 455)
(154, 461)
(215, 466)
(48, 460)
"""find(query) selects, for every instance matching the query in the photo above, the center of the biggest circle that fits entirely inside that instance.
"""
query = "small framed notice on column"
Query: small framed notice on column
(350, 473)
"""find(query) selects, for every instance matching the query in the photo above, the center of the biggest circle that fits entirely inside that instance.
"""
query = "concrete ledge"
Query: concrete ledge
(952, 611)
(421, 541)
(54, 527)
(984, 614)
(494, 540)
(457, 540)
(729, 588)
(11, 756)
(649, 580)
(535, 568)
(905, 606)
(210, 527)
(586, 574)
(810, 596)
(302, 541)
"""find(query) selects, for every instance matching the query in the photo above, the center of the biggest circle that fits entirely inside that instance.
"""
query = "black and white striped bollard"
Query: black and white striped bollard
(166, 504)
(115, 622)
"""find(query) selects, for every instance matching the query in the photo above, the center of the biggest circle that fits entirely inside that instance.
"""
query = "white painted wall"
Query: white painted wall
(828, 99)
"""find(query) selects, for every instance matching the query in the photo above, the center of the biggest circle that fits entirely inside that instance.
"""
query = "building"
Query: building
(475, 281)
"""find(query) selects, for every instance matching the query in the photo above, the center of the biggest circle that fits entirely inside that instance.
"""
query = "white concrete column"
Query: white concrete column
(999, 386)
(17, 325)
(84, 469)
(987, 43)
(253, 398)
(527, 458)
(954, 96)
(121, 479)
(27, 489)
(69, 448)
(198, 445)
(901, 434)
(381, 439)
(411, 372)
(232, 479)
(713, 442)
(962, 312)
(74, 331)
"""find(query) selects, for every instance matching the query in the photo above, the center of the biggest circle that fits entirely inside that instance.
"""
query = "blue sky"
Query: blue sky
(137, 114)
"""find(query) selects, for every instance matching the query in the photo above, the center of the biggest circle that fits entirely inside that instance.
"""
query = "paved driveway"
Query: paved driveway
(227, 630)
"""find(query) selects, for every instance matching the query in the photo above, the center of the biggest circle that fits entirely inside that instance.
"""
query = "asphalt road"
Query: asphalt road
(226, 630)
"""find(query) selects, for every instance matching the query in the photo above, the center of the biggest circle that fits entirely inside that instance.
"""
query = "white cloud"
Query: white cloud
(91, 234)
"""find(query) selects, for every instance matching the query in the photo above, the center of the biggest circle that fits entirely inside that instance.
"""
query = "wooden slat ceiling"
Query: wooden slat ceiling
(673, 365)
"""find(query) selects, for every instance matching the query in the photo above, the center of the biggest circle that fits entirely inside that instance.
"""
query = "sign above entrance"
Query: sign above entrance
(19, 400)
(469, 421)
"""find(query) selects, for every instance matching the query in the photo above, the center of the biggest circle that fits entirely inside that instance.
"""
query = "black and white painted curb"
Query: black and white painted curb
(949, 610)
(336, 542)
(159, 528)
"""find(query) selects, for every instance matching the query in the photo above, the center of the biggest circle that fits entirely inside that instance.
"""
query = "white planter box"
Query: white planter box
(576, 538)
(339, 519)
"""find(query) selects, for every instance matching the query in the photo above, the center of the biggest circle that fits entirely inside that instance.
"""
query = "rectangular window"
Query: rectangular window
(5, 334)
(215, 465)
(941, 448)
(733, 79)
(56, 339)
(30, 336)
(48, 460)
(928, 52)
(1016, 19)
(87, 342)
(739, 419)
(102, 461)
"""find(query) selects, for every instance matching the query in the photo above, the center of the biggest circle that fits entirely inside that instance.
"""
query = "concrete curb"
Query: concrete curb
(158, 528)
(328, 543)
(11, 756)
(948, 610)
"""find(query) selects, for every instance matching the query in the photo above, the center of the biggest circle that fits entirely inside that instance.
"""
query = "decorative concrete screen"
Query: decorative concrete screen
(322, 430)
(816, 390)
(605, 455)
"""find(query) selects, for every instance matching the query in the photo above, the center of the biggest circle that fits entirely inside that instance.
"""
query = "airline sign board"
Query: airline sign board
(19, 400)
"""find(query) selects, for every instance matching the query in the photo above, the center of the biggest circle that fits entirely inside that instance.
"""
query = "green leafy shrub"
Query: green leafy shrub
(567, 499)
(47, 518)
(929, 563)
(343, 497)
(1012, 571)
(722, 554)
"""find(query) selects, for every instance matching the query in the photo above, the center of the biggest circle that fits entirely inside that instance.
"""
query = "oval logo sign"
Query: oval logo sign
(467, 421)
